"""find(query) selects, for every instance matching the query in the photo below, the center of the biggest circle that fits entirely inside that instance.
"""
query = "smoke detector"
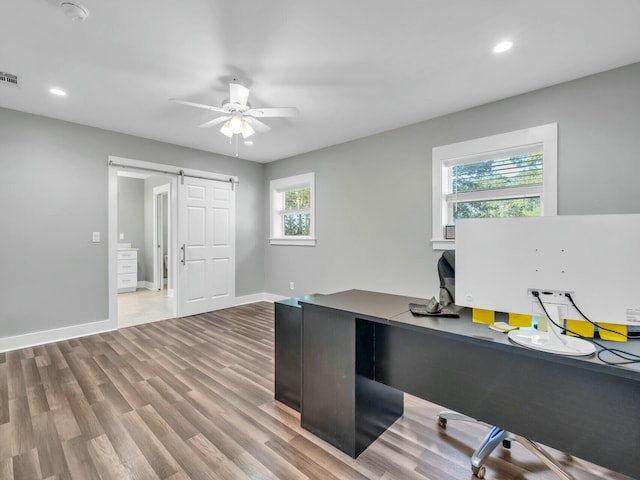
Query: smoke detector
(74, 11)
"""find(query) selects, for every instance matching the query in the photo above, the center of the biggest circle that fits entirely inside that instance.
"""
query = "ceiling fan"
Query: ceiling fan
(239, 118)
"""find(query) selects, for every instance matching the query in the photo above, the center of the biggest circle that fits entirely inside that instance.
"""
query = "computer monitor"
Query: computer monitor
(501, 262)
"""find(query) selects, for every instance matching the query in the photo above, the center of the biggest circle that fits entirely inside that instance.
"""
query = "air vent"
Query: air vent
(9, 79)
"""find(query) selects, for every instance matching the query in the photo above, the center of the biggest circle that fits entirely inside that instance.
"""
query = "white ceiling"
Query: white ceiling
(352, 67)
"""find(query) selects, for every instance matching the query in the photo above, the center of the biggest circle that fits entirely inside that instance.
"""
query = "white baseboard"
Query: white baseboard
(55, 335)
(258, 297)
(272, 297)
(145, 284)
(66, 333)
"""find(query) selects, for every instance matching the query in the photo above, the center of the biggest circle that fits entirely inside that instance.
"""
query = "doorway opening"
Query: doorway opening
(197, 254)
(145, 278)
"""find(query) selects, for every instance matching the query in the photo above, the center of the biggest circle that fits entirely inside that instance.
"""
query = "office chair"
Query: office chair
(496, 436)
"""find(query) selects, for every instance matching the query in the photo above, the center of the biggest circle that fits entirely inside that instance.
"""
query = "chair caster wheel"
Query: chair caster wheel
(479, 472)
(442, 422)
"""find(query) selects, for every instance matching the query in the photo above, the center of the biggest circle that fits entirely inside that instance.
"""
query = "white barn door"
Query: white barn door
(206, 236)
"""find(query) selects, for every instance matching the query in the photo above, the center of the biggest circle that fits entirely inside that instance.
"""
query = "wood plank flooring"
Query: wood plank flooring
(192, 398)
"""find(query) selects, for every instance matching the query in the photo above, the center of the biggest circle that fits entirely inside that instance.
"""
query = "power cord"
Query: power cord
(628, 358)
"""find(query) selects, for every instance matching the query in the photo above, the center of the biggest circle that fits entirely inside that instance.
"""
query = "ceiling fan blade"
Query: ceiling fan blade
(199, 105)
(215, 121)
(257, 125)
(238, 94)
(273, 112)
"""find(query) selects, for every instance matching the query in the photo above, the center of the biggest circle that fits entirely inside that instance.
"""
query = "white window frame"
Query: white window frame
(277, 188)
(476, 150)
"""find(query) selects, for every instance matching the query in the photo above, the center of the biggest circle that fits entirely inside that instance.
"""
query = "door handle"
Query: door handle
(184, 254)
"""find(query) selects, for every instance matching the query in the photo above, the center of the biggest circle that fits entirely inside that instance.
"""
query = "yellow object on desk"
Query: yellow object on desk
(483, 316)
(579, 328)
(619, 333)
(615, 332)
(520, 320)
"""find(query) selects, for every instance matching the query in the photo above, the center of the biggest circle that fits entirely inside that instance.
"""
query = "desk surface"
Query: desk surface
(579, 405)
(394, 309)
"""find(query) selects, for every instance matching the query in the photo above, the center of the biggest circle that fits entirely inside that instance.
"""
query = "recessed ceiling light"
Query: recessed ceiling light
(502, 47)
(248, 142)
(58, 92)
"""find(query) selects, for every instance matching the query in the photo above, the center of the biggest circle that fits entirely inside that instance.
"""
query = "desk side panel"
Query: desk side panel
(328, 376)
(287, 355)
(592, 415)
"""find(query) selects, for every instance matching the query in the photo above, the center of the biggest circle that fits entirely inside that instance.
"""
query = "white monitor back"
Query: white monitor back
(594, 257)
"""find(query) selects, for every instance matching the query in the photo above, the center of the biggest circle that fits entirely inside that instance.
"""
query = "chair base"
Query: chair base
(497, 436)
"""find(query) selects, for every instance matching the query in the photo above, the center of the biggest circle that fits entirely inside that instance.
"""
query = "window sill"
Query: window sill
(304, 242)
(442, 244)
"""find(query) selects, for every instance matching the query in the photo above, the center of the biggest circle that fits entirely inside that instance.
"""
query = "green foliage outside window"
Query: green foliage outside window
(512, 207)
(297, 223)
(518, 171)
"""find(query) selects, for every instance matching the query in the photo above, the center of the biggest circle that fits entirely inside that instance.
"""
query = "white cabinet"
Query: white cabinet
(127, 270)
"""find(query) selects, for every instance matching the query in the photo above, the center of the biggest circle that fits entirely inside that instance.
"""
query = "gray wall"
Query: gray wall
(131, 215)
(373, 196)
(53, 195)
(373, 199)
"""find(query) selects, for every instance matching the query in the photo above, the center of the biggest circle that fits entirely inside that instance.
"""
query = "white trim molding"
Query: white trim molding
(43, 337)
(55, 335)
(146, 284)
(300, 241)
(519, 141)
(259, 297)
(161, 168)
(277, 188)
(272, 297)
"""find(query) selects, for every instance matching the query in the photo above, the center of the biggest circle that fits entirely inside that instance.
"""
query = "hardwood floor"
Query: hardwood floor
(192, 398)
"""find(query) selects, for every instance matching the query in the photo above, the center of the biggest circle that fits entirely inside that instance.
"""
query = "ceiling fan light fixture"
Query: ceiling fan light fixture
(237, 114)
(226, 129)
(235, 124)
(247, 131)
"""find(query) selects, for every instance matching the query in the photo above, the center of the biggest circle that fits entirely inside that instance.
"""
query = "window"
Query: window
(292, 210)
(508, 175)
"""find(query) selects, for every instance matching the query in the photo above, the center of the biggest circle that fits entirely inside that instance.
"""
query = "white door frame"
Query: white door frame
(173, 172)
(158, 225)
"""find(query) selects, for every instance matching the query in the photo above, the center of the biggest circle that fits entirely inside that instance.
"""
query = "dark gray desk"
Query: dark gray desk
(288, 350)
(361, 350)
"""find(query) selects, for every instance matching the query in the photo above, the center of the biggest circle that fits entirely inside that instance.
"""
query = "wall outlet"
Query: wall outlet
(291, 286)
(122, 236)
(95, 237)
